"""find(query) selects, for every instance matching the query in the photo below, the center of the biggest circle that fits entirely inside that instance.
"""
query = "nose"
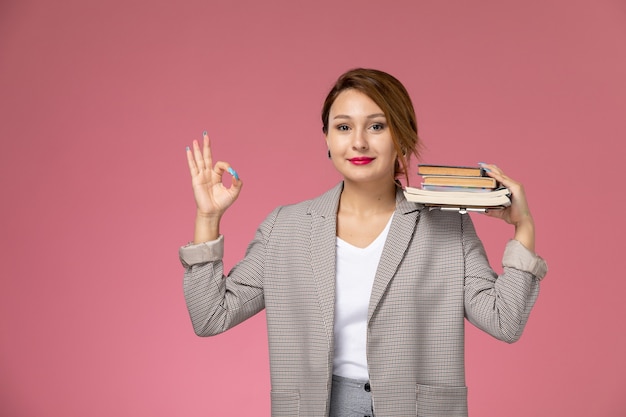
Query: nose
(360, 140)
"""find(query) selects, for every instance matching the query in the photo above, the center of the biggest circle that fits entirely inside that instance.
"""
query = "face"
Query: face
(359, 139)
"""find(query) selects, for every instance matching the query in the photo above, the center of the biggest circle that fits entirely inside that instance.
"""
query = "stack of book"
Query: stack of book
(462, 188)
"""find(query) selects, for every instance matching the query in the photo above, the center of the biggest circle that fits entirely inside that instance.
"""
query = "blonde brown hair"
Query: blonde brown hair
(390, 95)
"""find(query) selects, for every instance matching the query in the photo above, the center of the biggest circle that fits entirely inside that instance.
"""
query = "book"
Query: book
(459, 181)
(447, 188)
(459, 199)
(458, 170)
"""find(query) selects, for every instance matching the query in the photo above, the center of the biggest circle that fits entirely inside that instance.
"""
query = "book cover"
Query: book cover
(463, 171)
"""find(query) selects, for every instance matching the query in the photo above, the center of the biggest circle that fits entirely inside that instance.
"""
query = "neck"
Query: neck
(368, 198)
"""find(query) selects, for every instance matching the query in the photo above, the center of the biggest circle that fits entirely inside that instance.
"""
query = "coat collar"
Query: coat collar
(323, 210)
(327, 204)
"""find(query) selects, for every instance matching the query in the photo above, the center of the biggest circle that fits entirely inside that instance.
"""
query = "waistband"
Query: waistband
(349, 382)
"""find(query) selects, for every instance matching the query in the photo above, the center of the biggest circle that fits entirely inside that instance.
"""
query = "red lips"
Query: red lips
(361, 160)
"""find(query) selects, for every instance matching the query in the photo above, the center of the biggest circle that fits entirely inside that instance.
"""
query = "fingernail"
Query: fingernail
(204, 133)
(187, 148)
(233, 173)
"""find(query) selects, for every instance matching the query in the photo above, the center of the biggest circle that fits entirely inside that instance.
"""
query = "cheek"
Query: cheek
(335, 141)
(390, 149)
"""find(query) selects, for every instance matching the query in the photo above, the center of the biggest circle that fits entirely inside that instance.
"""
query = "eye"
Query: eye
(378, 126)
(343, 128)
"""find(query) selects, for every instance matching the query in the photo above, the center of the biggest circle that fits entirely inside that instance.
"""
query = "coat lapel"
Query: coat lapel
(400, 234)
(323, 212)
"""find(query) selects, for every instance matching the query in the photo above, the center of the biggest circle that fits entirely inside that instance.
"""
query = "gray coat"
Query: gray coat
(433, 273)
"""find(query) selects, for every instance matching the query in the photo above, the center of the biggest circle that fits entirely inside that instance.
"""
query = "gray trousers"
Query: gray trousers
(350, 398)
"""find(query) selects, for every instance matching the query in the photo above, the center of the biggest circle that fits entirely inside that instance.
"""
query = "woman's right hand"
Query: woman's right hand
(212, 197)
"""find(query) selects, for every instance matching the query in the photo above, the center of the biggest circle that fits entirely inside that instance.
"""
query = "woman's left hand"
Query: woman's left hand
(518, 213)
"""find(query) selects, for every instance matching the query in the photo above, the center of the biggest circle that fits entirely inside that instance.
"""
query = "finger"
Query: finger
(197, 154)
(207, 156)
(490, 168)
(193, 168)
(236, 183)
(235, 188)
(497, 213)
(222, 167)
(494, 171)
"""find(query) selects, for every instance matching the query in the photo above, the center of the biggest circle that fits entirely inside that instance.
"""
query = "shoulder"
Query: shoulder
(444, 221)
(323, 205)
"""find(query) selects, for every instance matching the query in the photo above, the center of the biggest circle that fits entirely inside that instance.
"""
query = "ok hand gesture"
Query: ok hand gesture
(212, 197)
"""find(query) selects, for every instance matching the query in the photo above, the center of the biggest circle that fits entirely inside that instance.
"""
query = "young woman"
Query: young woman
(365, 293)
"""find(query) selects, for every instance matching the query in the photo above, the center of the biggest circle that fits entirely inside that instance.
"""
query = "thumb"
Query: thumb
(236, 182)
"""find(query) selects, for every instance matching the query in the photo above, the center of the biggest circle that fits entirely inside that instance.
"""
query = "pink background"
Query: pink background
(98, 101)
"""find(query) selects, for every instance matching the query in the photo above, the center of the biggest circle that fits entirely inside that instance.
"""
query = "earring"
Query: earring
(329, 154)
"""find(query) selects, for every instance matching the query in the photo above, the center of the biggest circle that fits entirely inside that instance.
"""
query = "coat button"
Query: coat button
(366, 387)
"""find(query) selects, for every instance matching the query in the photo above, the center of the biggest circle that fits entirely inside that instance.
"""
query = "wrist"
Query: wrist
(525, 233)
(525, 221)
(208, 217)
(207, 227)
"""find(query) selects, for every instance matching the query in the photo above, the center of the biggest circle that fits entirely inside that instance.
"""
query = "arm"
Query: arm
(204, 283)
(500, 305)
(217, 303)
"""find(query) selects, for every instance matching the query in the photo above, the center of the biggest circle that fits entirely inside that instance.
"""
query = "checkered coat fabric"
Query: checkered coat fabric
(433, 274)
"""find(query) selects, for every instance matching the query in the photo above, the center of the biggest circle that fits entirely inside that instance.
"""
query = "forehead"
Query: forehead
(353, 102)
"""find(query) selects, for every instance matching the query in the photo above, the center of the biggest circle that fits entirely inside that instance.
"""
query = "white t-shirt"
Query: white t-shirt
(356, 269)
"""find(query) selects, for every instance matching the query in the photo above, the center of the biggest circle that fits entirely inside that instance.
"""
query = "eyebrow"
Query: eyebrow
(371, 116)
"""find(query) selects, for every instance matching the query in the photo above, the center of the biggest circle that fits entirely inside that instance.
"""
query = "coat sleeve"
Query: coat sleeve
(500, 305)
(217, 302)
